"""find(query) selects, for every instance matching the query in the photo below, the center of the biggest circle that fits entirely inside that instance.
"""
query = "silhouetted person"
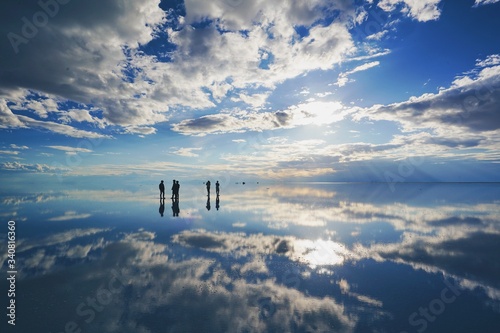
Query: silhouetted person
(175, 207)
(208, 203)
(162, 206)
(173, 189)
(217, 188)
(217, 203)
(162, 190)
(208, 187)
(176, 188)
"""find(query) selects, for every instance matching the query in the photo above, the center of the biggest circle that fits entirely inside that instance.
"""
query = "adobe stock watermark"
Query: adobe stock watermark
(30, 28)
(428, 314)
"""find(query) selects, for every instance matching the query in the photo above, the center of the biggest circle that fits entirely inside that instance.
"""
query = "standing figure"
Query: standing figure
(208, 187)
(217, 187)
(176, 189)
(173, 189)
(162, 190)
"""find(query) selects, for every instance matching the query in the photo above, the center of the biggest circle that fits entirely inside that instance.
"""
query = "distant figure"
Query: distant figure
(162, 190)
(217, 188)
(162, 206)
(217, 206)
(176, 187)
(208, 187)
(175, 207)
(208, 203)
(173, 189)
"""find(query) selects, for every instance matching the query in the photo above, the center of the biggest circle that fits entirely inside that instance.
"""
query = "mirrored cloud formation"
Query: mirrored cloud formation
(369, 259)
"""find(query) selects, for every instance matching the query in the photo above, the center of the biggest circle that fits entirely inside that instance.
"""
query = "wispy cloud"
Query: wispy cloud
(70, 215)
(14, 146)
(71, 150)
(58, 128)
(9, 152)
(27, 167)
(343, 78)
(378, 36)
(478, 3)
(187, 152)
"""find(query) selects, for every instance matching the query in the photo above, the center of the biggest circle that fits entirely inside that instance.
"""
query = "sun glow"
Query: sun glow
(319, 252)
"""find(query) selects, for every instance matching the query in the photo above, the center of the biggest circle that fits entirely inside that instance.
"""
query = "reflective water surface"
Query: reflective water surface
(258, 258)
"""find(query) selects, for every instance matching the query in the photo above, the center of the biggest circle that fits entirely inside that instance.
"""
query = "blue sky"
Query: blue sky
(344, 90)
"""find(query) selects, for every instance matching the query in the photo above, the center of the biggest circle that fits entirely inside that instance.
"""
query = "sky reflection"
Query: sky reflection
(273, 258)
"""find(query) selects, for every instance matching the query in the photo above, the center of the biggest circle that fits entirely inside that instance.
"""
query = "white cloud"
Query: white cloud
(14, 146)
(11, 120)
(83, 55)
(478, 3)
(378, 36)
(59, 128)
(255, 100)
(421, 10)
(187, 152)
(308, 113)
(71, 150)
(8, 119)
(491, 60)
(343, 78)
(68, 216)
(27, 167)
(9, 152)
(88, 56)
(80, 116)
(468, 105)
(142, 130)
(41, 107)
(59, 238)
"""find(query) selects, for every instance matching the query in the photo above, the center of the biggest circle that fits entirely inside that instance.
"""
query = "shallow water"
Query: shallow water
(296, 257)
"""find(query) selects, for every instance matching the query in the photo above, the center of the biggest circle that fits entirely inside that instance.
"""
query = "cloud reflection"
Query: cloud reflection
(230, 275)
(440, 232)
(194, 292)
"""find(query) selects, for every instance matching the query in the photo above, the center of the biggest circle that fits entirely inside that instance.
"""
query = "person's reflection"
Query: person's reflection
(162, 206)
(175, 207)
(208, 203)
(217, 201)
